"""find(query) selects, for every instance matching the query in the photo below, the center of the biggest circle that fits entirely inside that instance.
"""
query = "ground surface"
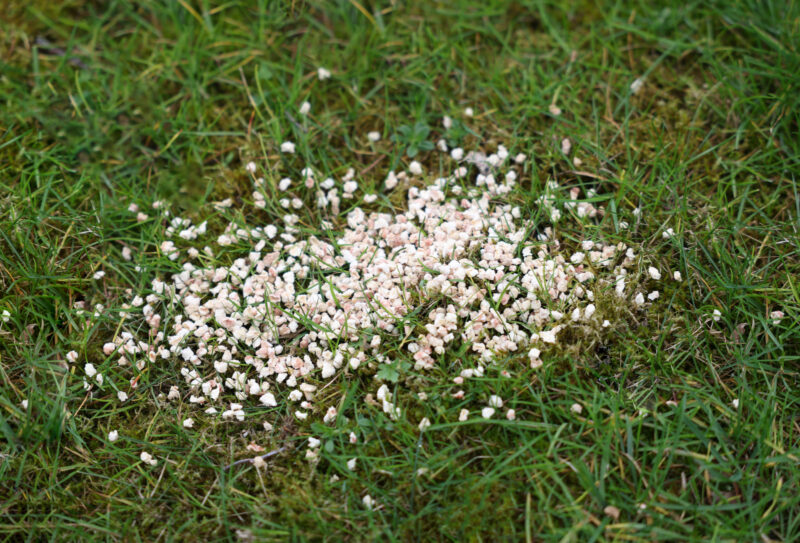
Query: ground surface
(104, 104)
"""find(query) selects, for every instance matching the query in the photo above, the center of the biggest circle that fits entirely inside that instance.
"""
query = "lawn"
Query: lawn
(684, 118)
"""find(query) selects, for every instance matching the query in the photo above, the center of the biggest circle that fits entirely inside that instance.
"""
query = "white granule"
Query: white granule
(495, 401)
(147, 458)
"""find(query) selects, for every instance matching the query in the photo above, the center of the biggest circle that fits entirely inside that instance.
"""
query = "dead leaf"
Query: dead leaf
(738, 332)
(612, 512)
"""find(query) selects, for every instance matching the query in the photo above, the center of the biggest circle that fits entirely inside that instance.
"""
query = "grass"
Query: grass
(105, 104)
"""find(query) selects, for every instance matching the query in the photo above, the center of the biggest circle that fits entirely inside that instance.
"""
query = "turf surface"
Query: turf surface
(108, 103)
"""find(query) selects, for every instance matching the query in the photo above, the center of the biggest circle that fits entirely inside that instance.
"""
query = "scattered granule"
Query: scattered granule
(147, 458)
